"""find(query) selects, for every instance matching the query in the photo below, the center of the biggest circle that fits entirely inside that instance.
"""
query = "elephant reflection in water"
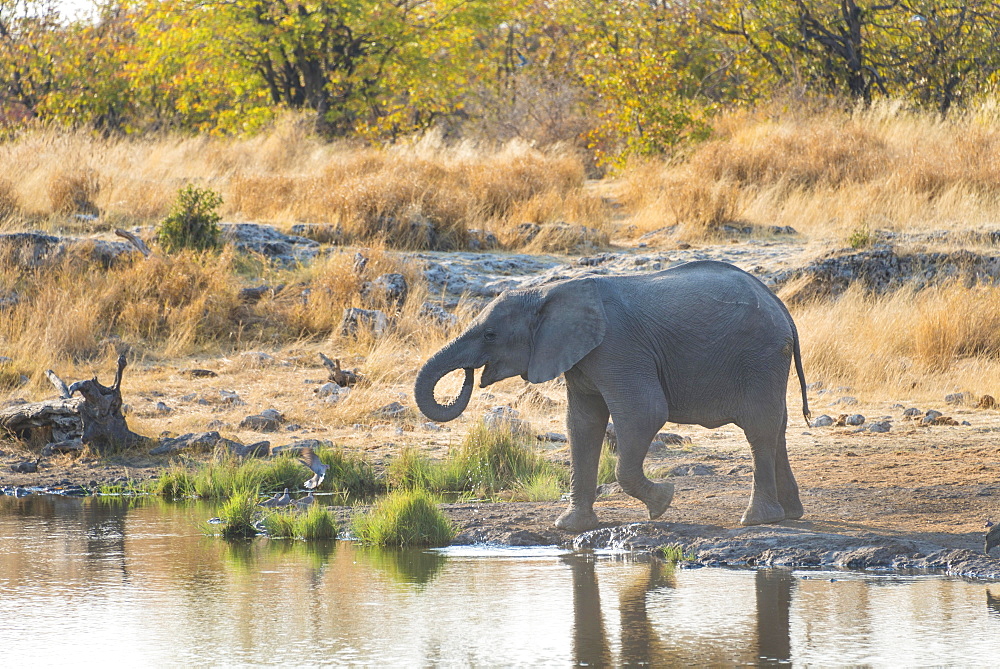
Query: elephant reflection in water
(993, 603)
(640, 643)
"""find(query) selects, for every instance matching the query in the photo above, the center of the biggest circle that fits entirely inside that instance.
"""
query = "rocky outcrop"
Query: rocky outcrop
(270, 242)
(883, 269)
(35, 250)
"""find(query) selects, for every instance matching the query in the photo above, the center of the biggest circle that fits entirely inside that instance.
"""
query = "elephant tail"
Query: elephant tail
(796, 351)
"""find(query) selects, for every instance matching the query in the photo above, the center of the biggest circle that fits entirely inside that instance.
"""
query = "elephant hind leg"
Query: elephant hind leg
(774, 495)
(788, 489)
(764, 506)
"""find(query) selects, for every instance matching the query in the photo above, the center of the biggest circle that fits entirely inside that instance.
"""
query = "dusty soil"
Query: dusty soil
(916, 497)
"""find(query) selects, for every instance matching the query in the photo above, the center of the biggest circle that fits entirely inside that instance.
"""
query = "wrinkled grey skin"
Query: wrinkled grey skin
(702, 343)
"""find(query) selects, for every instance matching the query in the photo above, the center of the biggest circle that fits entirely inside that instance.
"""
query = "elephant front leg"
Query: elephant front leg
(636, 424)
(586, 421)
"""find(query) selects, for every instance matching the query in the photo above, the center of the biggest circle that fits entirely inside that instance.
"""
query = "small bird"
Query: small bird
(312, 461)
(992, 536)
(278, 500)
(305, 502)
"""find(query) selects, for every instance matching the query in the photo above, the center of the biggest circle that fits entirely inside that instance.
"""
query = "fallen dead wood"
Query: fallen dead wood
(94, 419)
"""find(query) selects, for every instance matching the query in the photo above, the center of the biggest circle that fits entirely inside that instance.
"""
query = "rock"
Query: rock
(355, 319)
(388, 289)
(438, 315)
(254, 294)
(822, 421)
(912, 412)
(259, 449)
(855, 419)
(33, 250)
(265, 421)
(230, 398)
(986, 402)
(391, 410)
(198, 373)
(482, 240)
(846, 401)
(930, 417)
(606, 489)
(881, 269)
(814, 386)
(432, 427)
(556, 437)
(783, 230)
(162, 408)
(334, 394)
(692, 470)
(526, 232)
(269, 242)
(880, 426)
(257, 359)
(672, 439)
(960, 398)
(505, 418)
(215, 425)
(191, 440)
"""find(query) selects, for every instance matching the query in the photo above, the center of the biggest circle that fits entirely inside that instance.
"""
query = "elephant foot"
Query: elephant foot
(577, 520)
(760, 513)
(659, 500)
(793, 510)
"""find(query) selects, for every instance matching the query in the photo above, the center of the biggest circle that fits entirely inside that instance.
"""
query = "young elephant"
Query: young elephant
(702, 343)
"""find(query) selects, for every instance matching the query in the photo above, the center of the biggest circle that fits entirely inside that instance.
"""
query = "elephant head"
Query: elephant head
(535, 333)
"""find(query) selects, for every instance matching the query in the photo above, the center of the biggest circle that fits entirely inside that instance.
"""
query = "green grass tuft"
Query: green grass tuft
(404, 518)
(412, 470)
(239, 514)
(675, 553)
(607, 465)
(542, 487)
(490, 460)
(216, 480)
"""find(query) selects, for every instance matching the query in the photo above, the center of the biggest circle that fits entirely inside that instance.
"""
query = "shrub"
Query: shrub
(404, 518)
(194, 221)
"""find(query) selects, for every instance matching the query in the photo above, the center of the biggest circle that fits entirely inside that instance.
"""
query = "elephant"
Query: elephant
(700, 343)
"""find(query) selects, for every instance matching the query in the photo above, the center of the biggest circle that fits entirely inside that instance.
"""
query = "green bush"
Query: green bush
(194, 221)
(606, 468)
(404, 518)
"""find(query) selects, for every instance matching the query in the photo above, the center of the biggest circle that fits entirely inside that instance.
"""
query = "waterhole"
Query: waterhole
(138, 582)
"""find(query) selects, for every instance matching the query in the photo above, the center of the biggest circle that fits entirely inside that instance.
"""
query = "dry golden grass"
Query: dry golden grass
(826, 173)
(416, 194)
(907, 344)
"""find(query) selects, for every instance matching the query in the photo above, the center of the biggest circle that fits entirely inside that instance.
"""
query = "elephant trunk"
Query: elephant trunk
(432, 372)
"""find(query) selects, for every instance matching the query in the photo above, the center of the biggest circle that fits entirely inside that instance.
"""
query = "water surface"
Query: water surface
(137, 582)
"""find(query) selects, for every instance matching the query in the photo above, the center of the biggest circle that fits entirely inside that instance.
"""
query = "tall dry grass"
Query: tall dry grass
(826, 173)
(905, 344)
(417, 194)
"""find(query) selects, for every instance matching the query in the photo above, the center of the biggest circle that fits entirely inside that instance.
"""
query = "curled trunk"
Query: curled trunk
(436, 369)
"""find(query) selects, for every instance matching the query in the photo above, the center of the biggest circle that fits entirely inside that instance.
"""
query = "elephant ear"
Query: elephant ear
(570, 324)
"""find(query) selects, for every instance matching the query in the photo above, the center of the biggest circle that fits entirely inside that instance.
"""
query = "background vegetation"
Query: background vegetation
(617, 78)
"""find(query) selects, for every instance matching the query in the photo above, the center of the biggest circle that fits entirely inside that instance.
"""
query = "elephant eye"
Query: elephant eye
(490, 335)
